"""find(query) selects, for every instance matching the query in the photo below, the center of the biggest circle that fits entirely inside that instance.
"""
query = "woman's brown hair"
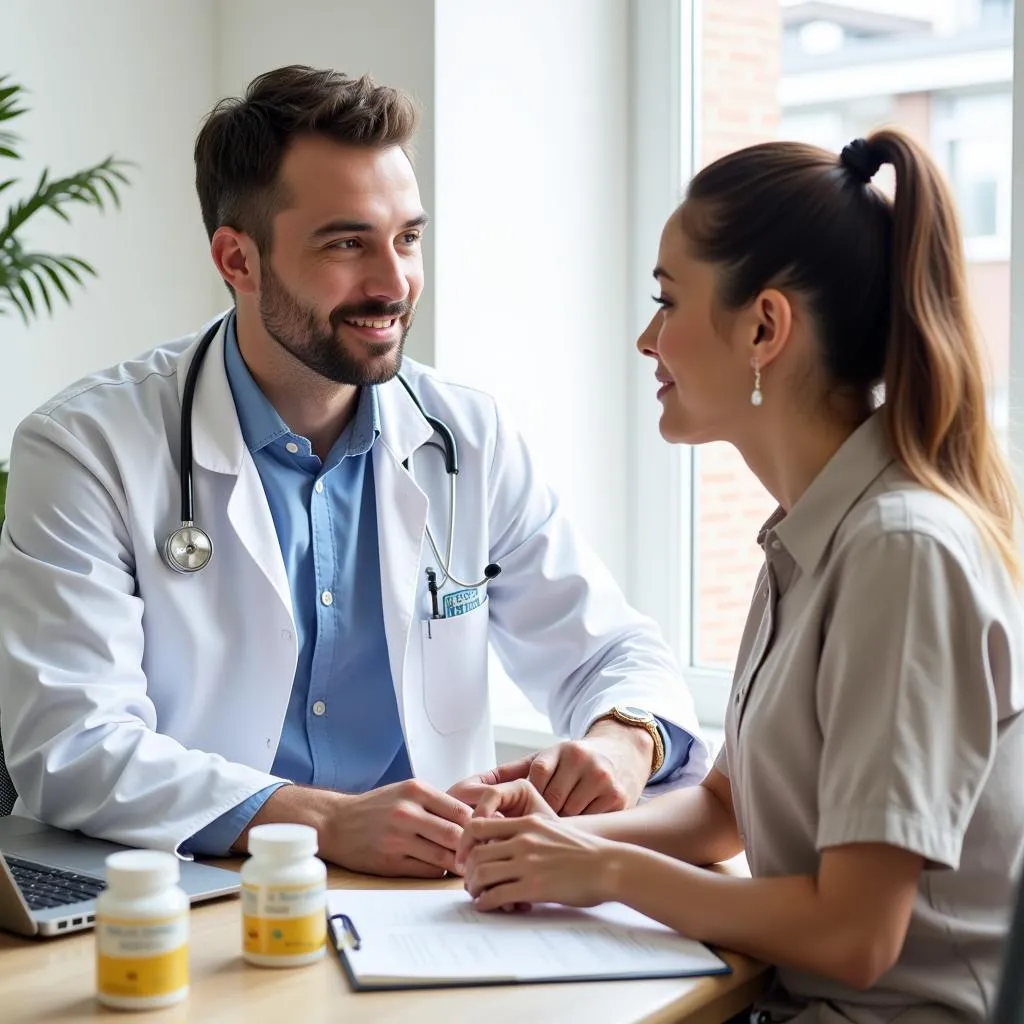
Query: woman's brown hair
(886, 284)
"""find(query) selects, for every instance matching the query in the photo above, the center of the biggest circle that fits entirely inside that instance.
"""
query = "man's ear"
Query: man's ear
(237, 260)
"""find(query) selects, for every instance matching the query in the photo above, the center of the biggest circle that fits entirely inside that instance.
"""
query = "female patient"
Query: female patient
(873, 766)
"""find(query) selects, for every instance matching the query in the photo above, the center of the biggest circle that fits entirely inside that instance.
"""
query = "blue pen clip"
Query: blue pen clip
(349, 927)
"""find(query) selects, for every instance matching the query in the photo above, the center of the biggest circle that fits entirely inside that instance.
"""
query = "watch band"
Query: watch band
(640, 719)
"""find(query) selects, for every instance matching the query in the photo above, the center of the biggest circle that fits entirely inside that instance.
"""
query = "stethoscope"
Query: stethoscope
(188, 549)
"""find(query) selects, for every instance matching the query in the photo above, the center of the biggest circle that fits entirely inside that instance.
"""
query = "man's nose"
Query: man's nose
(387, 279)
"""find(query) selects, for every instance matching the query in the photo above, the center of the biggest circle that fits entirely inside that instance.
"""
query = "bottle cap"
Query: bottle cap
(141, 872)
(283, 841)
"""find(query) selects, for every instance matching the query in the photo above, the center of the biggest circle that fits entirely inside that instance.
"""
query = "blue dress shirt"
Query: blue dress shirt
(342, 729)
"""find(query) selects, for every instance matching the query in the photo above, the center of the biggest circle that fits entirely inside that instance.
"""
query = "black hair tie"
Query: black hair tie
(861, 159)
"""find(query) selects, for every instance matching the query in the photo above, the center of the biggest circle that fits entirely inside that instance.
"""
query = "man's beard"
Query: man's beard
(320, 347)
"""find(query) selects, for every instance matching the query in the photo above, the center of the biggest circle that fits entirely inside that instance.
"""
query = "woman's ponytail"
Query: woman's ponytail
(934, 373)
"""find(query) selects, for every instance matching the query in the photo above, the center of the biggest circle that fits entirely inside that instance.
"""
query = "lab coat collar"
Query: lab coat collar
(403, 428)
(217, 442)
(808, 529)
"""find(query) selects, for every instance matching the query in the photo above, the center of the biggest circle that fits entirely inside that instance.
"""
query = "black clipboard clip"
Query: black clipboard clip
(349, 927)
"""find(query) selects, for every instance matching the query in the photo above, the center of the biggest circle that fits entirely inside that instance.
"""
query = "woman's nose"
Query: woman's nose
(647, 343)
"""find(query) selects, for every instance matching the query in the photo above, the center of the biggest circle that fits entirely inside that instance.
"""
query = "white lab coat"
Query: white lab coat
(137, 704)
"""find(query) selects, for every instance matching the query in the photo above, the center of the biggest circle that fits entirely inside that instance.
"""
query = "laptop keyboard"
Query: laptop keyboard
(44, 887)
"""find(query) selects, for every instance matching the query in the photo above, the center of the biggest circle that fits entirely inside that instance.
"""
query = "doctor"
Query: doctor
(322, 658)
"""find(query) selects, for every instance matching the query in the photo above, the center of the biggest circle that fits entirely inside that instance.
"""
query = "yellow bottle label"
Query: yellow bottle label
(283, 921)
(141, 959)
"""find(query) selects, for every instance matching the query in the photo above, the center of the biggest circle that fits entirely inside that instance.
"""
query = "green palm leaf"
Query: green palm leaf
(30, 281)
(10, 96)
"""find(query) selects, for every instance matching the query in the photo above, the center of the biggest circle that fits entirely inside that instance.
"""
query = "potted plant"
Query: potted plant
(29, 280)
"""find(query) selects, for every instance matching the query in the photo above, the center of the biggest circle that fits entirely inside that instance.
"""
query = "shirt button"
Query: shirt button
(319, 487)
(776, 544)
(319, 708)
(292, 447)
(287, 635)
(327, 598)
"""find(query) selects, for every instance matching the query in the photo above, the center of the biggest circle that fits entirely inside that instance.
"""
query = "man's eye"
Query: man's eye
(411, 237)
(344, 243)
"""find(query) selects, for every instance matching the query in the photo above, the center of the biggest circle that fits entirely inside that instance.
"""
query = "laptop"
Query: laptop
(50, 878)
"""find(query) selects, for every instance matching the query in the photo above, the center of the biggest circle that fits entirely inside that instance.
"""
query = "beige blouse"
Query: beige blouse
(877, 698)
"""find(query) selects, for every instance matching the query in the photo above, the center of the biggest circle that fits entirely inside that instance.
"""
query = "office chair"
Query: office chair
(1010, 996)
(8, 794)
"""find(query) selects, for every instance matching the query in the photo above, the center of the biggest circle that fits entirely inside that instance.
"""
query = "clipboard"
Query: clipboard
(388, 940)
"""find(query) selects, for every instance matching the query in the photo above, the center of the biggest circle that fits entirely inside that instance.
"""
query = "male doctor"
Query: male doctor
(325, 666)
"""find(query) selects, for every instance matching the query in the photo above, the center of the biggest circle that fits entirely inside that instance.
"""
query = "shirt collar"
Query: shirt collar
(260, 422)
(807, 530)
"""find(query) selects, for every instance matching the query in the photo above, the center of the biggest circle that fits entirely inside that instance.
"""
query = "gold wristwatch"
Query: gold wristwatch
(642, 720)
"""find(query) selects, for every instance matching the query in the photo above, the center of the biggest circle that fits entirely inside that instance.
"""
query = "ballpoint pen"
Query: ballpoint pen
(432, 587)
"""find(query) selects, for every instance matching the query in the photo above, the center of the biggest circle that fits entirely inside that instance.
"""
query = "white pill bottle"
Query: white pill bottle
(284, 897)
(142, 932)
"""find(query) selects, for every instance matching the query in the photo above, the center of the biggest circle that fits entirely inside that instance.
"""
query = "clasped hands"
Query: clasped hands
(411, 829)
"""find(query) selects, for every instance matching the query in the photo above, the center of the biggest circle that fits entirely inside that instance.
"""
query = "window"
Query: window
(827, 73)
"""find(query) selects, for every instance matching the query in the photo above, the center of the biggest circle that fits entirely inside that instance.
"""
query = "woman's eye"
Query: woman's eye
(662, 301)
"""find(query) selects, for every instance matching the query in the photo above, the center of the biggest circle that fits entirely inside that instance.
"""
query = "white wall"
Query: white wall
(113, 76)
(532, 235)
(533, 248)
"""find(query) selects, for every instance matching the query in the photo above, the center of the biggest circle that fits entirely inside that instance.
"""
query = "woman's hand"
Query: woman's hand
(537, 859)
(507, 800)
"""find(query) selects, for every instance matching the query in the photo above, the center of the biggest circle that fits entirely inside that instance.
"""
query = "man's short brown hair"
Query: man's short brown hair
(243, 141)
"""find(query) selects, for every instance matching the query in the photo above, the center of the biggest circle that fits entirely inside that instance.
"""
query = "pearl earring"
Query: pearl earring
(756, 398)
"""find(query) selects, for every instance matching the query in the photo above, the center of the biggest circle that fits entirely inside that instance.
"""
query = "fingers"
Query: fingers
(562, 781)
(433, 860)
(486, 830)
(487, 853)
(410, 867)
(509, 799)
(542, 768)
(512, 770)
(469, 791)
(442, 805)
(583, 794)
(606, 802)
(503, 773)
(486, 876)
(501, 896)
(595, 793)
(414, 820)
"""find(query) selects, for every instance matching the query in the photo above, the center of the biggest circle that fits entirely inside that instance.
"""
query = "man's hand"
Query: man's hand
(405, 829)
(605, 771)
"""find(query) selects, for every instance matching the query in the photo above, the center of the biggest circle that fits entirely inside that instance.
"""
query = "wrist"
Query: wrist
(301, 805)
(639, 738)
(620, 866)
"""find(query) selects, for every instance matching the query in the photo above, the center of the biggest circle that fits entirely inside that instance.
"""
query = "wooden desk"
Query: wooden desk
(51, 980)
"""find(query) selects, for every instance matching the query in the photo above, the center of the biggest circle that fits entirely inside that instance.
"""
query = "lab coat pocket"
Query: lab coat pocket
(455, 669)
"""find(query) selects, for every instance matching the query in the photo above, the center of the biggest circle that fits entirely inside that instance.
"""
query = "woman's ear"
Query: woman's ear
(768, 326)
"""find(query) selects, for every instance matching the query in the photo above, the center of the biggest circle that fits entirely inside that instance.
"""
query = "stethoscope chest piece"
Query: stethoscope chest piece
(188, 549)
